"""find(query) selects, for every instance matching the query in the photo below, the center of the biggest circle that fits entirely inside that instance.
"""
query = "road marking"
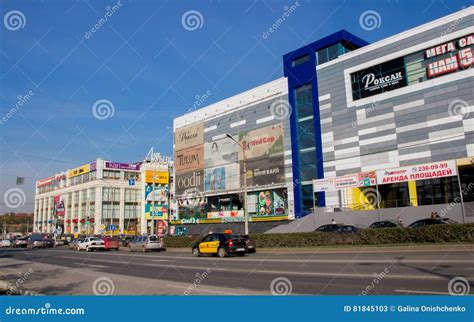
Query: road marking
(91, 265)
(421, 292)
(160, 260)
(200, 289)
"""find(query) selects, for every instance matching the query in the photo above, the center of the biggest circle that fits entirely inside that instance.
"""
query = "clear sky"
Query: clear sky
(151, 63)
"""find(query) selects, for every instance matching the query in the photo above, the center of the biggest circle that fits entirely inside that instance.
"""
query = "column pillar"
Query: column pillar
(412, 194)
(122, 209)
(98, 210)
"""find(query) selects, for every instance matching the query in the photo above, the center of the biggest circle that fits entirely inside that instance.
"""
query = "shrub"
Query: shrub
(431, 234)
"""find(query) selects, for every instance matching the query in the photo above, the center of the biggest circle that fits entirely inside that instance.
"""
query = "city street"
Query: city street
(407, 270)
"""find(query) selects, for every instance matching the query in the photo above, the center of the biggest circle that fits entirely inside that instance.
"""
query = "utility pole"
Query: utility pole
(244, 159)
(153, 204)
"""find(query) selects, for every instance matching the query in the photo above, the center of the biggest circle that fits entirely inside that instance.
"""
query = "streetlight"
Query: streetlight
(246, 218)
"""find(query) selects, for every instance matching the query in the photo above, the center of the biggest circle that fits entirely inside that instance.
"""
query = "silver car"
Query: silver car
(35, 242)
(144, 243)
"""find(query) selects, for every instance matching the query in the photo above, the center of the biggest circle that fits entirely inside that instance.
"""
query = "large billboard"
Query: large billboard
(121, 166)
(158, 177)
(189, 136)
(222, 178)
(267, 141)
(418, 172)
(265, 171)
(220, 152)
(59, 208)
(189, 159)
(190, 181)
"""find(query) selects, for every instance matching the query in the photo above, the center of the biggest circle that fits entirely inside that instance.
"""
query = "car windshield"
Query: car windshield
(153, 238)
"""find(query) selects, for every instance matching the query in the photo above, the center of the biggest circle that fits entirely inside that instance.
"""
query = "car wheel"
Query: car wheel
(221, 252)
(196, 252)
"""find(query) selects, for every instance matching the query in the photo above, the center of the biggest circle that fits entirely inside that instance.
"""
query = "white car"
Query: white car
(5, 243)
(90, 243)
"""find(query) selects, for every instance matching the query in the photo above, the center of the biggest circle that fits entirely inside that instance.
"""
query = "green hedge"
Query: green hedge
(431, 234)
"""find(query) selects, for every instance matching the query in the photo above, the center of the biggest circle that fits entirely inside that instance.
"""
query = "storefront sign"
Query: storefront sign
(346, 182)
(267, 141)
(379, 78)
(189, 159)
(418, 172)
(79, 170)
(189, 181)
(122, 166)
(53, 180)
(189, 136)
(367, 179)
(220, 152)
(326, 184)
(265, 171)
(227, 213)
(160, 177)
(450, 56)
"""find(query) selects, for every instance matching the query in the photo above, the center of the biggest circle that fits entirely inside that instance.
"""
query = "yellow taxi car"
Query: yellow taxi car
(220, 244)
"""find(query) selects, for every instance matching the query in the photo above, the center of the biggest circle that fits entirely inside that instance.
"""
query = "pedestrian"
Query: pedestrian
(333, 221)
(400, 221)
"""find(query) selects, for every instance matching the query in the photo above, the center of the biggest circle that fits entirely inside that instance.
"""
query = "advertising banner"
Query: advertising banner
(220, 152)
(161, 177)
(418, 172)
(189, 181)
(222, 178)
(79, 170)
(265, 171)
(54, 180)
(189, 136)
(59, 209)
(159, 194)
(326, 184)
(267, 141)
(367, 179)
(362, 179)
(225, 213)
(122, 166)
(189, 159)
(160, 211)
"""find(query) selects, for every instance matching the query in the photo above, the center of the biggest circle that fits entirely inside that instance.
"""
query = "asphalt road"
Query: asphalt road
(344, 271)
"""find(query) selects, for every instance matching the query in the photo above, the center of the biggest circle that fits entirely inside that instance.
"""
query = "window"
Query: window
(300, 60)
(131, 175)
(113, 175)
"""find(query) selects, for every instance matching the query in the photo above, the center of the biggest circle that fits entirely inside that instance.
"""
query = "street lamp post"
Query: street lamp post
(244, 159)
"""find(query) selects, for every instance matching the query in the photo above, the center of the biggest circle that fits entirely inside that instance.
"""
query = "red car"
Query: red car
(111, 243)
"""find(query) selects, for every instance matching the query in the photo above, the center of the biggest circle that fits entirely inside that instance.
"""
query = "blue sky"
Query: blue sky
(150, 67)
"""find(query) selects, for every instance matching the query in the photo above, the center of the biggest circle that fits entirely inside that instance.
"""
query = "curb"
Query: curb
(12, 289)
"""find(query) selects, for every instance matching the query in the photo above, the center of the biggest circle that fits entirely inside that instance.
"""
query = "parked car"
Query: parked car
(74, 242)
(347, 229)
(126, 240)
(431, 221)
(385, 224)
(60, 242)
(35, 241)
(220, 244)
(48, 242)
(111, 243)
(251, 246)
(90, 244)
(21, 242)
(145, 243)
(6, 243)
(330, 228)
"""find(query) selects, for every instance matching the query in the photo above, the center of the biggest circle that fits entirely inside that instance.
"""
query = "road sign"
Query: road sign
(112, 227)
(131, 182)
(102, 226)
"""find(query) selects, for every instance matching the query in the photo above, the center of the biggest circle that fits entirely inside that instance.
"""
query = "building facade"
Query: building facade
(364, 126)
(211, 146)
(104, 197)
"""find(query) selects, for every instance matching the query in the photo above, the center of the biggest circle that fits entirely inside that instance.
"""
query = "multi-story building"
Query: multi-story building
(363, 126)
(104, 197)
